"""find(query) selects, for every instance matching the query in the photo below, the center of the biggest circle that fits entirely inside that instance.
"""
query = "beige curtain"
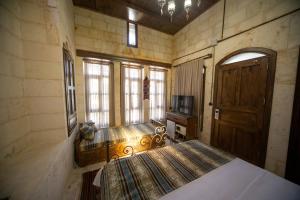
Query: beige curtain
(98, 93)
(189, 81)
(131, 97)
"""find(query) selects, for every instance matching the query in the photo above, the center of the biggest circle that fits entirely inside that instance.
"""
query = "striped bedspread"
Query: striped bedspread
(157, 172)
(132, 133)
(126, 133)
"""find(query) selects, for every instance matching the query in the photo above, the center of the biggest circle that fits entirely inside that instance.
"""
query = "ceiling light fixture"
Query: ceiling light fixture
(161, 3)
(171, 8)
(198, 3)
(187, 7)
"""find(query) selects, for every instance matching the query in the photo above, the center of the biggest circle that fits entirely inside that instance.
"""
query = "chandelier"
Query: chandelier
(172, 6)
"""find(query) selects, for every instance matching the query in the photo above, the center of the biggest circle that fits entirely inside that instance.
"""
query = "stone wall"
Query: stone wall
(105, 34)
(101, 33)
(34, 145)
(242, 15)
(284, 38)
(14, 120)
(202, 32)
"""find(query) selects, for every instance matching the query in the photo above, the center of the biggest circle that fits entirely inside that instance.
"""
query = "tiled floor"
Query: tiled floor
(72, 189)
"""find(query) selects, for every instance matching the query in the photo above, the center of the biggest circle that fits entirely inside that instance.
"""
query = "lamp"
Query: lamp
(187, 7)
(198, 3)
(161, 3)
(171, 8)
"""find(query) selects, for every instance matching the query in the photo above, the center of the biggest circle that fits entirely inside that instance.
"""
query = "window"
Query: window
(132, 40)
(97, 85)
(69, 90)
(157, 94)
(132, 94)
(243, 56)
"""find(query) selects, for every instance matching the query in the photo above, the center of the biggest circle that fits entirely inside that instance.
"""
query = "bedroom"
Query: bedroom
(37, 145)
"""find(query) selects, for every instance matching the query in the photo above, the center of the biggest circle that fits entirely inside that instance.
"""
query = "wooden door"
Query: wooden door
(240, 123)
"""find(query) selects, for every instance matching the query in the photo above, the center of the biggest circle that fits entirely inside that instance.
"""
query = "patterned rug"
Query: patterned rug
(88, 190)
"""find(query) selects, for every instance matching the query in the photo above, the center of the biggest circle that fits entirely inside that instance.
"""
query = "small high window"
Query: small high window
(132, 40)
(243, 56)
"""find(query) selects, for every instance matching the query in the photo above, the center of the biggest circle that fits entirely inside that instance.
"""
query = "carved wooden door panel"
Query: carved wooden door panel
(239, 110)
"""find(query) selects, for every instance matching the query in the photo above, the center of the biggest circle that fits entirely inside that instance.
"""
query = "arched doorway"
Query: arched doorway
(243, 92)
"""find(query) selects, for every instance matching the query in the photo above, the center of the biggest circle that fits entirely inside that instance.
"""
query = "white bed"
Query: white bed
(237, 180)
(233, 179)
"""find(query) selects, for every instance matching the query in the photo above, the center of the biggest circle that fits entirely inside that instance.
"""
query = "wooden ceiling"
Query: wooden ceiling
(147, 12)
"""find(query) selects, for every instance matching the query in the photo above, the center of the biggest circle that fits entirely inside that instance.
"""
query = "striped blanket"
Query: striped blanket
(157, 172)
(114, 135)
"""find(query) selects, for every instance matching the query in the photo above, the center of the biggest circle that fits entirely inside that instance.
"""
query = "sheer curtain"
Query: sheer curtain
(98, 86)
(189, 80)
(157, 94)
(132, 102)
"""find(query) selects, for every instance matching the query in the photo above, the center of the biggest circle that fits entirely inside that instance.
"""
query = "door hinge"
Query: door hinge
(203, 71)
(264, 101)
(267, 66)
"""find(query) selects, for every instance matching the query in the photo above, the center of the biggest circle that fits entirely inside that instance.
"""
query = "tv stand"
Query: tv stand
(182, 125)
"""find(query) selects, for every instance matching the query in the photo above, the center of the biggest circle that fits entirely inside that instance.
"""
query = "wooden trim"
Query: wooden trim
(203, 98)
(85, 53)
(267, 52)
(293, 162)
(272, 56)
(132, 66)
(223, 21)
(136, 34)
(207, 56)
(159, 69)
(103, 62)
(71, 119)
(210, 46)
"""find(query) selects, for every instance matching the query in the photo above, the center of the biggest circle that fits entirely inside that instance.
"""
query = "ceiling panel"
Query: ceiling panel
(147, 12)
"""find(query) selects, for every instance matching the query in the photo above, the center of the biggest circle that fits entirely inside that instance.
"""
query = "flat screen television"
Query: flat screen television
(183, 104)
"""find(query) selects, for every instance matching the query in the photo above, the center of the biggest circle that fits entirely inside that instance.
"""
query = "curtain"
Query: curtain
(99, 95)
(157, 94)
(132, 102)
(189, 81)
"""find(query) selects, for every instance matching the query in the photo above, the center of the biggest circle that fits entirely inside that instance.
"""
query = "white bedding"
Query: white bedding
(237, 180)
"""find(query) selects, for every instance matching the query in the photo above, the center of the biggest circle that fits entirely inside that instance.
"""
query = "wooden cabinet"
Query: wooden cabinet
(186, 125)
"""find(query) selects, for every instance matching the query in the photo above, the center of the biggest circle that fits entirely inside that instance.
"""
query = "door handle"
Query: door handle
(217, 113)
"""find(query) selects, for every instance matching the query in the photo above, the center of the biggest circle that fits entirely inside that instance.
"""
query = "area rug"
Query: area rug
(88, 190)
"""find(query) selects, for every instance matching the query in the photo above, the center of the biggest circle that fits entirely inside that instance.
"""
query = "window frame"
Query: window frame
(136, 34)
(99, 77)
(164, 82)
(70, 95)
(125, 78)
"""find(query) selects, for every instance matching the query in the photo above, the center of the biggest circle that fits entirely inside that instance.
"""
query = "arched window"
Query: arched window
(243, 56)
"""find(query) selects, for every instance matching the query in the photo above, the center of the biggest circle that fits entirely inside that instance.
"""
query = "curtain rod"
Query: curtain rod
(207, 56)
(210, 46)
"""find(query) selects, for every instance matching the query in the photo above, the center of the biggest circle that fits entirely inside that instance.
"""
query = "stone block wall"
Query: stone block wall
(281, 35)
(202, 32)
(34, 145)
(101, 33)
(242, 15)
